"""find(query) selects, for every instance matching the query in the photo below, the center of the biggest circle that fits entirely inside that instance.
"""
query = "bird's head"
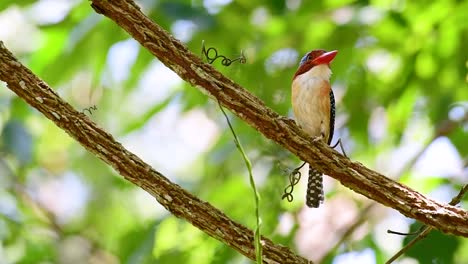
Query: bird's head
(313, 59)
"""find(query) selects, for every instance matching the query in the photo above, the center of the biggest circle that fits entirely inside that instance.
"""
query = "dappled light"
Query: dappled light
(400, 83)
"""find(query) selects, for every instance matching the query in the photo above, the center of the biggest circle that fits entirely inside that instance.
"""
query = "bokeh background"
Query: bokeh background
(400, 81)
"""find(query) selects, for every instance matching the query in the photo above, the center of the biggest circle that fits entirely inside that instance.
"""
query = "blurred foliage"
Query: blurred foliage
(427, 251)
(401, 72)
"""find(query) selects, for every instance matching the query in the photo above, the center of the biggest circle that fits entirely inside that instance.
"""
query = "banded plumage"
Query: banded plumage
(314, 109)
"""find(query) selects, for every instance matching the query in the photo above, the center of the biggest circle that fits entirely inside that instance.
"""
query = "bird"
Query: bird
(313, 104)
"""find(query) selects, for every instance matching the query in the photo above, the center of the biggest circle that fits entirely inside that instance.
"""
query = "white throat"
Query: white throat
(319, 73)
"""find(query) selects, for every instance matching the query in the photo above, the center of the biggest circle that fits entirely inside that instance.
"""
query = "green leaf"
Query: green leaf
(21, 3)
(136, 246)
(435, 248)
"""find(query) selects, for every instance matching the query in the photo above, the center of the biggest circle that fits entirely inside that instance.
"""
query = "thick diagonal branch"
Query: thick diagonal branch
(179, 202)
(189, 67)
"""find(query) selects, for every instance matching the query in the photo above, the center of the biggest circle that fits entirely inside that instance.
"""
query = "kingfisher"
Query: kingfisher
(313, 104)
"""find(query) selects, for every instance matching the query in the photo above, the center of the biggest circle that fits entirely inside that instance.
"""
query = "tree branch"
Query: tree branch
(442, 129)
(178, 201)
(175, 199)
(426, 229)
(355, 176)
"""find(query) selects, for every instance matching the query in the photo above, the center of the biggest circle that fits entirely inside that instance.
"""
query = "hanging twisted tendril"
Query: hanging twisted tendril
(90, 109)
(211, 54)
(294, 178)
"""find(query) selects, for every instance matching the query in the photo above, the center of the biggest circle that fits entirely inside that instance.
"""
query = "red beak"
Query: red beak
(325, 58)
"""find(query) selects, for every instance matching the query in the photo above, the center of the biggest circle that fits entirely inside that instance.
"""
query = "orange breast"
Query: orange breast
(311, 105)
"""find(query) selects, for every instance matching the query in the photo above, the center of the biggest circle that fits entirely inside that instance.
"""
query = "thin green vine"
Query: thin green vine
(248, 164)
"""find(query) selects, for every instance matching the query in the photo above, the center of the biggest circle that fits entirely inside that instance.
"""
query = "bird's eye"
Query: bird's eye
(304, 59)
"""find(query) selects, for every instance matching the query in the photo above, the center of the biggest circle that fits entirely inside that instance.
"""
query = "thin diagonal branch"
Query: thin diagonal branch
(178, 201)
(442, 129)
(426, 229)
(457, 199)
(354, 175)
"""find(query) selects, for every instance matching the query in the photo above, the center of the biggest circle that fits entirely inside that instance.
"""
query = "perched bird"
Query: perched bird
(313, 104)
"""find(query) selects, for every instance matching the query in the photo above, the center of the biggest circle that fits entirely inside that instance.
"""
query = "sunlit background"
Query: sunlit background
(400, 82)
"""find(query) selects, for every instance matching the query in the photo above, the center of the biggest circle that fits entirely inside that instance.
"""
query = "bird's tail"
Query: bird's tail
(314, 194)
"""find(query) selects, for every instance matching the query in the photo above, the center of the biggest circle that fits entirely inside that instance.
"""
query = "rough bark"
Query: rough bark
(283, 131)
(178, 201)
